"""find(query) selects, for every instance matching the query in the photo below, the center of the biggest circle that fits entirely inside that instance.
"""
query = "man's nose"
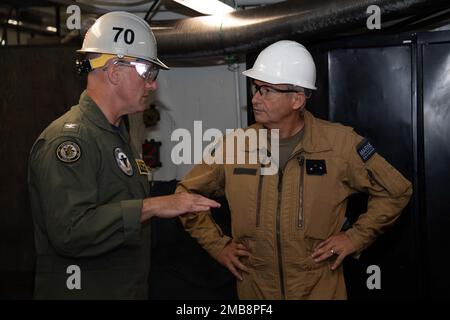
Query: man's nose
(256, 97)
(151, 85)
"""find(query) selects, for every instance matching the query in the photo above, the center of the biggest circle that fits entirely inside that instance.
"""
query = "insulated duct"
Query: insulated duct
(252, 29)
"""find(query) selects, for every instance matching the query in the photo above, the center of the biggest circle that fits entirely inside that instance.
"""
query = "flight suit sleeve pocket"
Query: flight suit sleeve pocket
(385, 175)
(131, 211)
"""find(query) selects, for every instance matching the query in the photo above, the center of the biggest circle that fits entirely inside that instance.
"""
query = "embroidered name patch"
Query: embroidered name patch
(365, 150)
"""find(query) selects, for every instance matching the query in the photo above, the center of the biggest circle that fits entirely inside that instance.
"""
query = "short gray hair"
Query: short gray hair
(306, 91)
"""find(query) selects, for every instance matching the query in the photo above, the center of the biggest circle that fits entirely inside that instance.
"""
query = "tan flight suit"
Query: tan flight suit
(281, 218)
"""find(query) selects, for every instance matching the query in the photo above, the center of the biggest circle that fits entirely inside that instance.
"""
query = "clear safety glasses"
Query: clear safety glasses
(148, 71)
(265, 90)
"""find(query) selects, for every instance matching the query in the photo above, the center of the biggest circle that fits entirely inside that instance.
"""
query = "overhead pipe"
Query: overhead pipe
(249, 30)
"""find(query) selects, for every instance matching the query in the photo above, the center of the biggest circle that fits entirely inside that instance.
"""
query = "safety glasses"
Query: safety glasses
(265, 90)
(147, 71)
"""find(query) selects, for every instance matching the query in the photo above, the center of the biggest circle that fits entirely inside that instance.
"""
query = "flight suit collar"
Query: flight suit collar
(95, 115)
(313, 138)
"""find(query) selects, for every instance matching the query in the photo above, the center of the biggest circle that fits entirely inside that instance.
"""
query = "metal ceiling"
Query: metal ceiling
(185, 34)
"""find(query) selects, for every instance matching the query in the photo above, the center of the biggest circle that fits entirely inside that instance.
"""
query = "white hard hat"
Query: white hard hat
(285, 62)
(122, 34)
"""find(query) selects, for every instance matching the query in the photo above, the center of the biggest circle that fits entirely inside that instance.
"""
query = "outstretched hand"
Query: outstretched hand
(175, 205)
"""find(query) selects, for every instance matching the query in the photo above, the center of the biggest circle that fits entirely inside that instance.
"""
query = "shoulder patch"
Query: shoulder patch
(71, 127)
(68, 152)
(365, 150)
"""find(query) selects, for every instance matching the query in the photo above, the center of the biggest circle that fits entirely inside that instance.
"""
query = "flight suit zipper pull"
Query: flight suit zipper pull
(258, 201)
(301, 162)
(278, 234)
(280, 180)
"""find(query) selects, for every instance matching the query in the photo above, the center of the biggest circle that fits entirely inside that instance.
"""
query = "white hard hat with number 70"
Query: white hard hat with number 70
(122, 34)
(285, 62)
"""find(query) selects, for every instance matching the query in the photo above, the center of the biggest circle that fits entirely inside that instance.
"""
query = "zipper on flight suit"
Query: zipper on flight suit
(258, 201)
(278, 226)
(301, 162)
(280, 260)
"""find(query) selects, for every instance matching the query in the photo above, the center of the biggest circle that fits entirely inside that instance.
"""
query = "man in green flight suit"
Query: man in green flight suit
(89, 189)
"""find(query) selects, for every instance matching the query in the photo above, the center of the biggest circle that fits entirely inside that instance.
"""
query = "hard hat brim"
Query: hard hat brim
(262, 76)
(158, 62)
(161, 64)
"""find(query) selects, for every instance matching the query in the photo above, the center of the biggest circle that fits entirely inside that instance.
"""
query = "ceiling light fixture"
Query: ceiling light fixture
(208, 7)
(14, 22)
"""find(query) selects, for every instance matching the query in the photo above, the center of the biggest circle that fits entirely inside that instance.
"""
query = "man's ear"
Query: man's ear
(113, 74)
(299, 100)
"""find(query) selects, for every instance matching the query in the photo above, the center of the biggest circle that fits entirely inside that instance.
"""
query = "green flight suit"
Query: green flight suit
(87, 186)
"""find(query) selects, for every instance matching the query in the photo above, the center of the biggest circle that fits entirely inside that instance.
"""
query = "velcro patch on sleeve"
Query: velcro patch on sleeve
(365, 150)
(68, 151)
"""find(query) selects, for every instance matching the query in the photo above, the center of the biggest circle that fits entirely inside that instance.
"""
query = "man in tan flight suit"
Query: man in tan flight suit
(287, 241)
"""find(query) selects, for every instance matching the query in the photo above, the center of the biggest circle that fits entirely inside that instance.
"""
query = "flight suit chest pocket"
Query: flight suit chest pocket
(242, 195)
(119, 174)
(318, 196)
